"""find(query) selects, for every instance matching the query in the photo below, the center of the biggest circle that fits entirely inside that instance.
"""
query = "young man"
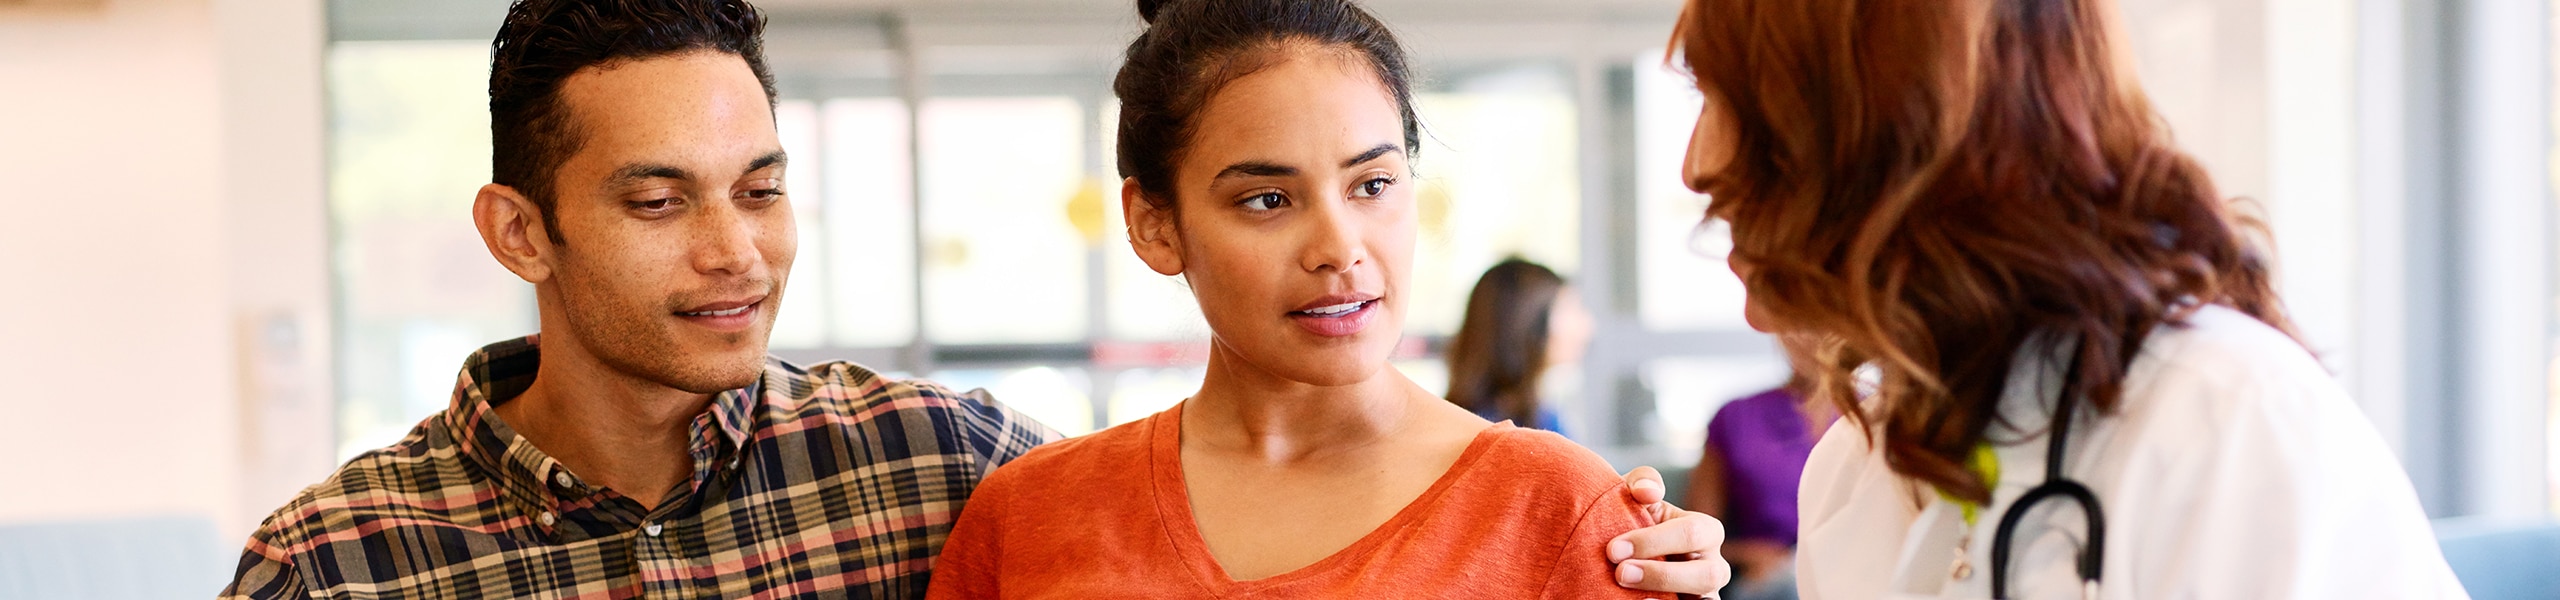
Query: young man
(644, 444)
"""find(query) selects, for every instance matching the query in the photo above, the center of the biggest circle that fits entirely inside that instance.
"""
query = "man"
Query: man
(644, 444)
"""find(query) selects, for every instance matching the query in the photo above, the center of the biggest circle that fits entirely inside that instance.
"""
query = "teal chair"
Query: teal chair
(115, 559)
(2503, 559)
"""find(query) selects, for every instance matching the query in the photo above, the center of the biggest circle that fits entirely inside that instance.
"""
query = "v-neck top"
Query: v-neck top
(1521, 514)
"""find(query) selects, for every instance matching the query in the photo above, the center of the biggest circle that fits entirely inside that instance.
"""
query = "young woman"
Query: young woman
(1973, 199)
(1266, 145)
(1521, 319)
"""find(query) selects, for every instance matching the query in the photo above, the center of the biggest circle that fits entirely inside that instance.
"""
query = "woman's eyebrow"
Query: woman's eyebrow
(1256, 169)
(1371, 154)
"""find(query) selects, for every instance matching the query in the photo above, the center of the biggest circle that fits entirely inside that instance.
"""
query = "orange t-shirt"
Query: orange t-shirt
(1522, 514)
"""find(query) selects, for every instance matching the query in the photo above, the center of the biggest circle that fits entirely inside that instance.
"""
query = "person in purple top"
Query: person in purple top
(1747, 476)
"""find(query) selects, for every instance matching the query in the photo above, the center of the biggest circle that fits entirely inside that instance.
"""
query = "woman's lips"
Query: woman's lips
(1336, 320)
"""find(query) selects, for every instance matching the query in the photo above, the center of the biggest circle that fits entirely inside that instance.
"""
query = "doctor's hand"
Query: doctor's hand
(1678, 554)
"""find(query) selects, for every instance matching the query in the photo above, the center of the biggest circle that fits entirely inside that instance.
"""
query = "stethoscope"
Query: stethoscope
(2055, 484)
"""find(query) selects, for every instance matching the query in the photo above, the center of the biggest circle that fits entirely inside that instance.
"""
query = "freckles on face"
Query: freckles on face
(1297, 218)
(677, 229)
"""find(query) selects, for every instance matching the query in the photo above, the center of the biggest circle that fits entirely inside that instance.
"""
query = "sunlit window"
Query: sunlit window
(1141, 392)
(1050, 395)
(1002, 262)
(1688, 390)
(1680, 286)
(418, 292)
(1500, 177)
(854, 282)
(870, 223)
(801, 322)
(1145, 306)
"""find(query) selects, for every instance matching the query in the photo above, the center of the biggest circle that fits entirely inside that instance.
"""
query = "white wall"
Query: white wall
(154, 196)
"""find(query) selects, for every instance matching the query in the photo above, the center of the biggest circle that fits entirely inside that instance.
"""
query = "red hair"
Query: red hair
(1930, 185)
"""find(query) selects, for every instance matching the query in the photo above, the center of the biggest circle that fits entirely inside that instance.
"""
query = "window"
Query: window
(417, 291)
(856, 265)
(1500, 176)
(1682, 288)
(1003, 262)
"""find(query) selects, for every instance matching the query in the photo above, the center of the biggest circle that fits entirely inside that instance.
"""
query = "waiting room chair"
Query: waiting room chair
(114, 559)
(2503, 559)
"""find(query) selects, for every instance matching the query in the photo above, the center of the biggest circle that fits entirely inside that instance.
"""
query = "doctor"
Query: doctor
(1973, 199)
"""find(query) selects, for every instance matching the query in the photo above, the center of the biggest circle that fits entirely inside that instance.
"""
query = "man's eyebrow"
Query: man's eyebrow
(637, 172)
(1256, 169)
(769, 160)
(1371, 155)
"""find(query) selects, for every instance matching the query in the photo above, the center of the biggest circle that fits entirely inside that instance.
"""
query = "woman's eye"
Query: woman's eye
(1374, 187)
(1264, 202)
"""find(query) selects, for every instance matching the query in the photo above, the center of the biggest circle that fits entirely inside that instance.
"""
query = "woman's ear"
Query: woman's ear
(1151, 231)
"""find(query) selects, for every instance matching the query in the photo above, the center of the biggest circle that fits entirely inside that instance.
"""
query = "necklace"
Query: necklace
(1987, 465)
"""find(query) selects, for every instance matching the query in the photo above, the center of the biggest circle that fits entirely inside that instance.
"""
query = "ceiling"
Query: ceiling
(477, 19)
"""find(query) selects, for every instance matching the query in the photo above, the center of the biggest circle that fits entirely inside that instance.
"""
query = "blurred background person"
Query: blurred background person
(1747, 476)
(1521, 320)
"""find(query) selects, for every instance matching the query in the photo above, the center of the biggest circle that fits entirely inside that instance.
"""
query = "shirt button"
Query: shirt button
(562, 478)
(549, 518)
(654, 528)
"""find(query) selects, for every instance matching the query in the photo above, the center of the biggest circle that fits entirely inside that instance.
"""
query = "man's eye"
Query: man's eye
(765, 195)
(657, 205)
(1264, 202)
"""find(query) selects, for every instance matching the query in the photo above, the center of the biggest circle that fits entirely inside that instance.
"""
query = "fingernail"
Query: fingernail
(1629, 574)
(1648, 484)
(1620, 550)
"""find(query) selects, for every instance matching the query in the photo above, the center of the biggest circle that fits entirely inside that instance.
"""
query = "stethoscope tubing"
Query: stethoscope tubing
(2092, 556)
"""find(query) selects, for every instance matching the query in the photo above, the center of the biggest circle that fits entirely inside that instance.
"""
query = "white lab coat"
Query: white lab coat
(2235, 468)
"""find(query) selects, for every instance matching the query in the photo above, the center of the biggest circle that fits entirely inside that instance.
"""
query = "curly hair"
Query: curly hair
(1928, 186)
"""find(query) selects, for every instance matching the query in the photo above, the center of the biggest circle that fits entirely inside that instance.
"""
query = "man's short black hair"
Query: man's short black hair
(543, 42)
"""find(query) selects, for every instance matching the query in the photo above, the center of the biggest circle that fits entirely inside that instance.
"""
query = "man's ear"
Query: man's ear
(512, 227)
(1151, 232)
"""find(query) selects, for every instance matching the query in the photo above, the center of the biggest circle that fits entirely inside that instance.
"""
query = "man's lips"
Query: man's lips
(725, 308)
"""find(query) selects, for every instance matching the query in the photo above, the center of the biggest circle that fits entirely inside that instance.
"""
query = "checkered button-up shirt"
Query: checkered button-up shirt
(829, 481)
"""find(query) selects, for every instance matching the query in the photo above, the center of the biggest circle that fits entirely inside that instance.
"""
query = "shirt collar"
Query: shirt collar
(502, 371)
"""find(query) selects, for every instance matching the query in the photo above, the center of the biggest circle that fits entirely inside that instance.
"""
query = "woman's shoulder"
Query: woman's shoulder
(2228, 347)
(1120, 452)
(1531, 461)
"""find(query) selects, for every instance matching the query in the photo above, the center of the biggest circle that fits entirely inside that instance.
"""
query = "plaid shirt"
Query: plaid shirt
(829, 481)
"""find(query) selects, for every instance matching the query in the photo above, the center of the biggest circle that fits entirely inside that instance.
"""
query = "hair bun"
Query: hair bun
(1147, 9)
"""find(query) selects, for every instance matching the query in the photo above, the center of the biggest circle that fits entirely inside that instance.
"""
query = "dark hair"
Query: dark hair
(1194, 47)
(1931, 189)
(543, 42)
(1501, 346)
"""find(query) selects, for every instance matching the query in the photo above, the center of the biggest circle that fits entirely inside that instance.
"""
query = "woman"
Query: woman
(1265, 147)
(1747, 477)
(1521, 319)
(1973, 199)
